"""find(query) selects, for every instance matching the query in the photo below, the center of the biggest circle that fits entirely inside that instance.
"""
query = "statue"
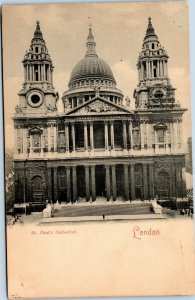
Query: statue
(97, 90)
(18, 109)
(128, 101)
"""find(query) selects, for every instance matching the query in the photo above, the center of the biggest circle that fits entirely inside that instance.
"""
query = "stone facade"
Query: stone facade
(98, 147)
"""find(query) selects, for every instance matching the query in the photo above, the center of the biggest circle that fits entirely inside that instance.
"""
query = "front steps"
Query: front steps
(107, 209)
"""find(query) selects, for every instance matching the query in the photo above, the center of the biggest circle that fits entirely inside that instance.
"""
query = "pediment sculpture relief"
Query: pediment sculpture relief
(97, 107)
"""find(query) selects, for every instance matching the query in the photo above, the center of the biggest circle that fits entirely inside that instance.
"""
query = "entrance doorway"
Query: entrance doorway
(100, 181)
(81, 181)
(163, 184)
(37, 189)
(99, 136)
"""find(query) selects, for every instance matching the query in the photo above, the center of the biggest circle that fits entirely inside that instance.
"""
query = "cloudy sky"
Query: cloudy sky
(118, 28)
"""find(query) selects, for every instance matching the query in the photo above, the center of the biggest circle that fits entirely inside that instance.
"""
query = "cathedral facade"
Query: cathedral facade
(98, 147)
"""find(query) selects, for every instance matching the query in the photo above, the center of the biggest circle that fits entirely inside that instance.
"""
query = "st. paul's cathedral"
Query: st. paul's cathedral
(98, 147)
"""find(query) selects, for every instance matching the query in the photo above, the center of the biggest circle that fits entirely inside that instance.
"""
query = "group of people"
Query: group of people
(187, 211)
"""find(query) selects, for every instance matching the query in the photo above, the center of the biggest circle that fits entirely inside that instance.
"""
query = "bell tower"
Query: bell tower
(154, 89)
(38, 95)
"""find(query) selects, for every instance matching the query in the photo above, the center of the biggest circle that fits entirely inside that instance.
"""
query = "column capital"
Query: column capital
(107, 166)
(74, 167)
(86, 166)
(67, 168)
(113, 166)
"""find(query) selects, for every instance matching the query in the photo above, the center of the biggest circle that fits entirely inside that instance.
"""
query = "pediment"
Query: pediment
(98, 106)
(160, 125)
(35, 130)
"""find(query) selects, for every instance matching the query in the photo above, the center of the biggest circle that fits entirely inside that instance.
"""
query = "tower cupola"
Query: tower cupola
(154, 89)
(153, 59)
(37, 62)
(38, 95)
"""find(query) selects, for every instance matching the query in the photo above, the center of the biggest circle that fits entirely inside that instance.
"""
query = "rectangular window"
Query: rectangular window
(160, 136)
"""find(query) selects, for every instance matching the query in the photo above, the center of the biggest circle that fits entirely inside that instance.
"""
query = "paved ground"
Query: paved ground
(93, 212)
(37, 219)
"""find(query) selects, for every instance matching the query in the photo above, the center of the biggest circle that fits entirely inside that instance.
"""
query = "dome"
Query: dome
(91, 67)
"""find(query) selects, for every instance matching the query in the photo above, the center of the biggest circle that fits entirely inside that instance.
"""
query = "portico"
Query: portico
(93, 180)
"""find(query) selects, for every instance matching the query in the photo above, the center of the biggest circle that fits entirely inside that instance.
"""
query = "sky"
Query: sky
(118, 29)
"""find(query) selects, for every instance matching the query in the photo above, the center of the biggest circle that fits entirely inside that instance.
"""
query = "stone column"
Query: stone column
(85, 137)
(173, 179)
(49, 184)
(16, 139)
(25, 131)
(91, 136)
(33, 73)
(161, 70)
(107, 182)
(27, 73)
(49, 137)
(172, 138)
(106, 135)
(163, 67)
(67, 136)
(142, 72)
(142, 135)
(31, 144)
(112, 134)
(44, 72)
(93, 186)
(147, 69)
(184, 189)
(151, 181)
(68, 184)
(42, 142)
(39, 72)
(48, 73)
(73, 137)
(145, 182)
(175, 136)
(74, 182)
(51, 76)
(152, 67)
(124, 135)
(158, 68)
(126, 181)
(132, 182)
(113, 167)
(87, 183)
(55, 137)
(55, 179)
(130, 136)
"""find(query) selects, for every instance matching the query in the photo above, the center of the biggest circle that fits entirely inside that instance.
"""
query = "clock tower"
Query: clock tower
(38, 96)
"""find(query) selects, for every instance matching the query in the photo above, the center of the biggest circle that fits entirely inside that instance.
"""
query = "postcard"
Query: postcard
(98, 150)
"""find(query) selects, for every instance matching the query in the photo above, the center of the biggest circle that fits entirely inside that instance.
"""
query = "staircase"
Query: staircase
(104, 209)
